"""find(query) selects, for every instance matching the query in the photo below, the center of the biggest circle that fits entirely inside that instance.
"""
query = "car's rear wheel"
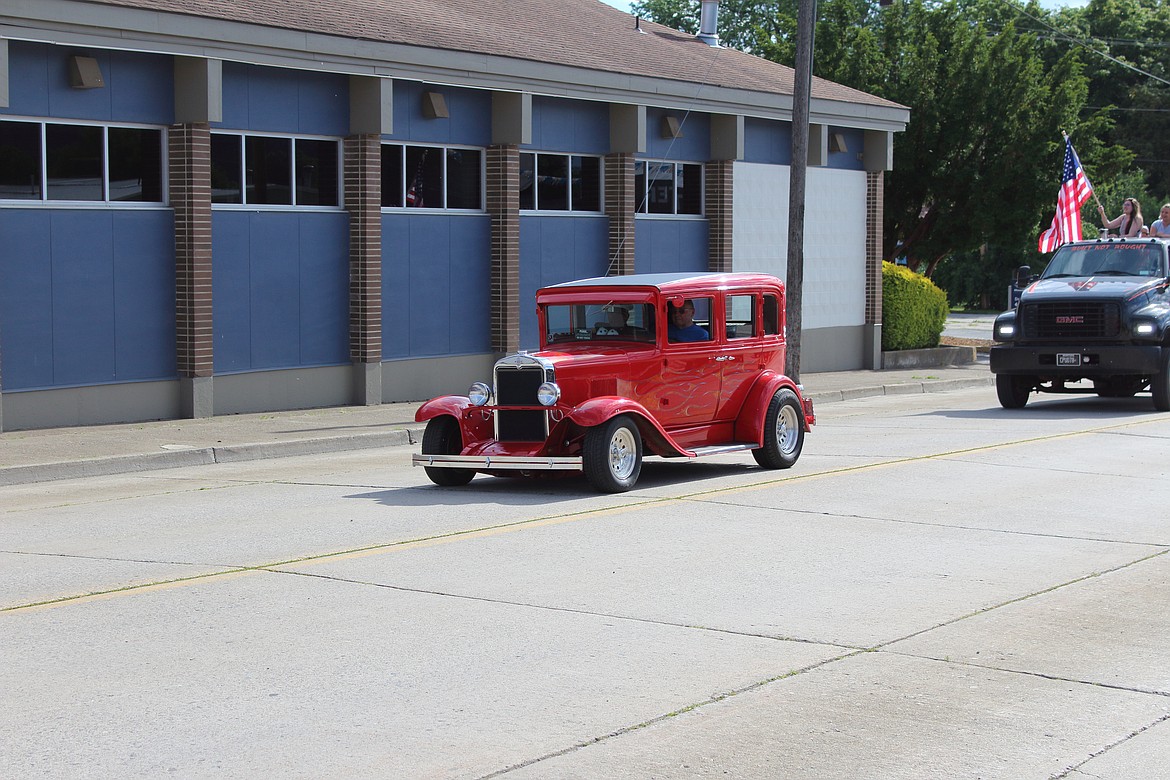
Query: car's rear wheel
(442, 437)
(612, 455)
(1160, 383)
(783, 432)
(1013, 391)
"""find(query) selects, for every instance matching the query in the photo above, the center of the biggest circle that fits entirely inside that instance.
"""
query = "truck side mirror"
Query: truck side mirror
(1023, 276)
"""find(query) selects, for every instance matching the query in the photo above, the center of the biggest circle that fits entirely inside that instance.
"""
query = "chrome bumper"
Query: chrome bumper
(498, 462)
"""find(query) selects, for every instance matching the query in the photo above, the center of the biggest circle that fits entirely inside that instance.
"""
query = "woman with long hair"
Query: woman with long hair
(1129, 221)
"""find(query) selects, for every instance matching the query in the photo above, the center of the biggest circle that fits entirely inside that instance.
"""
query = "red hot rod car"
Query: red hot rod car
(675, 365)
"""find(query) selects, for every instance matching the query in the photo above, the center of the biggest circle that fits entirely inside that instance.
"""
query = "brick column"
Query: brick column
(874, 216)
(718, 205)
(620, 202)
(503, 205)
(363, 201)
(190, 191)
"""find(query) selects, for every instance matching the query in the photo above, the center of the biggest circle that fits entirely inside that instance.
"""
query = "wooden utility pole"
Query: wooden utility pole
(805, 20)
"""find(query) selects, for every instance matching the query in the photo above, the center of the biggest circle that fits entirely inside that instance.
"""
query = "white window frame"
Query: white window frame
(536, 209)
(45, 201)
(243, 135)
(402, 178)
(642, 200)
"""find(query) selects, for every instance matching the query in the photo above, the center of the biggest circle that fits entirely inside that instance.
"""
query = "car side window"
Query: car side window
(741, 316)
(689, 320)
(771, 315)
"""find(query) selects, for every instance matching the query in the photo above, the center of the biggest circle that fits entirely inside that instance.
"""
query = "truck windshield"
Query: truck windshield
(1106, 259)
(601, 321)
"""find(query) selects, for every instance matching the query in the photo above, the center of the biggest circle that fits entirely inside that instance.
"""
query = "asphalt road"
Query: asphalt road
(939, 589)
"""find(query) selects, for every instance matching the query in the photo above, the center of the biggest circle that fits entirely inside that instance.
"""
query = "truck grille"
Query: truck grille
(1071, 320)
(516, 383)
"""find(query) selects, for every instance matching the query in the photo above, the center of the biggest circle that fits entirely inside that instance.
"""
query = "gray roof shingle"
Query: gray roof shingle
(586, 34)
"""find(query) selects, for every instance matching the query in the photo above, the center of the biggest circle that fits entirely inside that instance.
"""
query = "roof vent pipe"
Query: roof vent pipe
(709, 22)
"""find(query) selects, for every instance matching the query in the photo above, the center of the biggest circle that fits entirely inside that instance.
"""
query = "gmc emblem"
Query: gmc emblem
(1070, 320)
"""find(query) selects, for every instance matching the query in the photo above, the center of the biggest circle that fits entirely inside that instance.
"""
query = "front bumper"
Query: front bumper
(499, 462)
(1111, 360)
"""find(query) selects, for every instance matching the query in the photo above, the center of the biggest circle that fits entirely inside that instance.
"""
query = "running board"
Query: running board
(720, 449)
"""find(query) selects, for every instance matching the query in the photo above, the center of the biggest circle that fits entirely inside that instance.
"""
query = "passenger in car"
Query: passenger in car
(682, 325)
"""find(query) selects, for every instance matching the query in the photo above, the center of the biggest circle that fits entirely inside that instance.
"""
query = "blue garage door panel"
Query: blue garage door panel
(767, 141)
(695, 143)
(470, 121)
(277, 100)
(83, 297)
(554, 250)
(324, 289)
(231, 291)
(26, 300)
(436, 285)
(275, 296)
(578, 126)
(144, 295)
(670, 245)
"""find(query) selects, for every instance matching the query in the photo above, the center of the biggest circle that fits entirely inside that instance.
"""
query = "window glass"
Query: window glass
(741, 316)
(690, 320)
(771, 315)
(424, 170)
(690, 189)
(316, 172)
(268, 169)
(660, 188)
(552, 182)
(464, 187)
(527, 180)
(73, 161)
(20, 149)
(586, 177)
(135, 164)
(602, 321)
(226, 182)
(392, 184)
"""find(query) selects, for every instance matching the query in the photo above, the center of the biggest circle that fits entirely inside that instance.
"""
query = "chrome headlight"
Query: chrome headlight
(479, 394)
(548, 393)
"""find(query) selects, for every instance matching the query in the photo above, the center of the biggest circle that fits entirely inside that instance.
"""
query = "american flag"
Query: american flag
(1074, 191)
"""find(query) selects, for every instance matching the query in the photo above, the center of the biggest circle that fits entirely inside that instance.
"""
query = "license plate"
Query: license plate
(1068, 358)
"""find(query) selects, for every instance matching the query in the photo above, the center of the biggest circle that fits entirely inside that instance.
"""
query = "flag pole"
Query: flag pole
(1092, 189)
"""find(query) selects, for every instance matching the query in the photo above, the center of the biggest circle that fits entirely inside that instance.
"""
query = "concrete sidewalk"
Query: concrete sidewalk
(67, 453)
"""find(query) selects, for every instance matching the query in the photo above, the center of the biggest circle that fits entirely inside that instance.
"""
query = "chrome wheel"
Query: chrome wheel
(623, 453)
(787, 429)
(612, 455)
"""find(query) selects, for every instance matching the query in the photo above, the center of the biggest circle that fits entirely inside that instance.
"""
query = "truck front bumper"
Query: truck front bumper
(1094, 361)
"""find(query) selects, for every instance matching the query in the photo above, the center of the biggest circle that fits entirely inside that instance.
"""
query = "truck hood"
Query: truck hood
(1089, 287)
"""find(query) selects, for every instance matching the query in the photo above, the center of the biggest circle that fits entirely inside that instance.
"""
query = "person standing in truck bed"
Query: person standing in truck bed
(1129, 222)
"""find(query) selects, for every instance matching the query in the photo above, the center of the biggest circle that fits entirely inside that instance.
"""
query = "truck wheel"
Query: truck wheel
(612, 455)
(783, 432)
(442, 437)
(1013, 391)
(1160, 383)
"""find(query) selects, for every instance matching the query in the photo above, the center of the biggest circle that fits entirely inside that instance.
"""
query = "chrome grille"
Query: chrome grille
(1071, 320)
(517, 379)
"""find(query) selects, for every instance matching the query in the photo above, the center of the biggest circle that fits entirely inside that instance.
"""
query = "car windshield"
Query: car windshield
(601, 321)
(1106, 259)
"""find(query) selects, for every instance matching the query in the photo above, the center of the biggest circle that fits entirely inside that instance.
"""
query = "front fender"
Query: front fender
(597, 411)
(453, 405)
(749, 426)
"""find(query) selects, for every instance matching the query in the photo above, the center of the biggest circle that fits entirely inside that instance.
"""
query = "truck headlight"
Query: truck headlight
(479, 394)
(1144, 329)
(1005, 331)
(548, 393)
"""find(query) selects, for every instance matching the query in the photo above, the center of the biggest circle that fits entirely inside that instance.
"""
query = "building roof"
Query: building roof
(583, 48)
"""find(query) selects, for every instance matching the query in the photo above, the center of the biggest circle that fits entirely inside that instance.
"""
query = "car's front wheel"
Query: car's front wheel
(442, 437)
(612, 455)
(783, 432)
(1013, 391)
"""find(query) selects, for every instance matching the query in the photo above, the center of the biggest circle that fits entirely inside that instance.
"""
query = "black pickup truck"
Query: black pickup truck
(1099, 312)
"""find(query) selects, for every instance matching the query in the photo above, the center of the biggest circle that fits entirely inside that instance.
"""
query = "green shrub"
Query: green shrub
(914, 309)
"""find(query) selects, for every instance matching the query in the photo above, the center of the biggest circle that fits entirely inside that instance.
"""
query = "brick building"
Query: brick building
(220, 206)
